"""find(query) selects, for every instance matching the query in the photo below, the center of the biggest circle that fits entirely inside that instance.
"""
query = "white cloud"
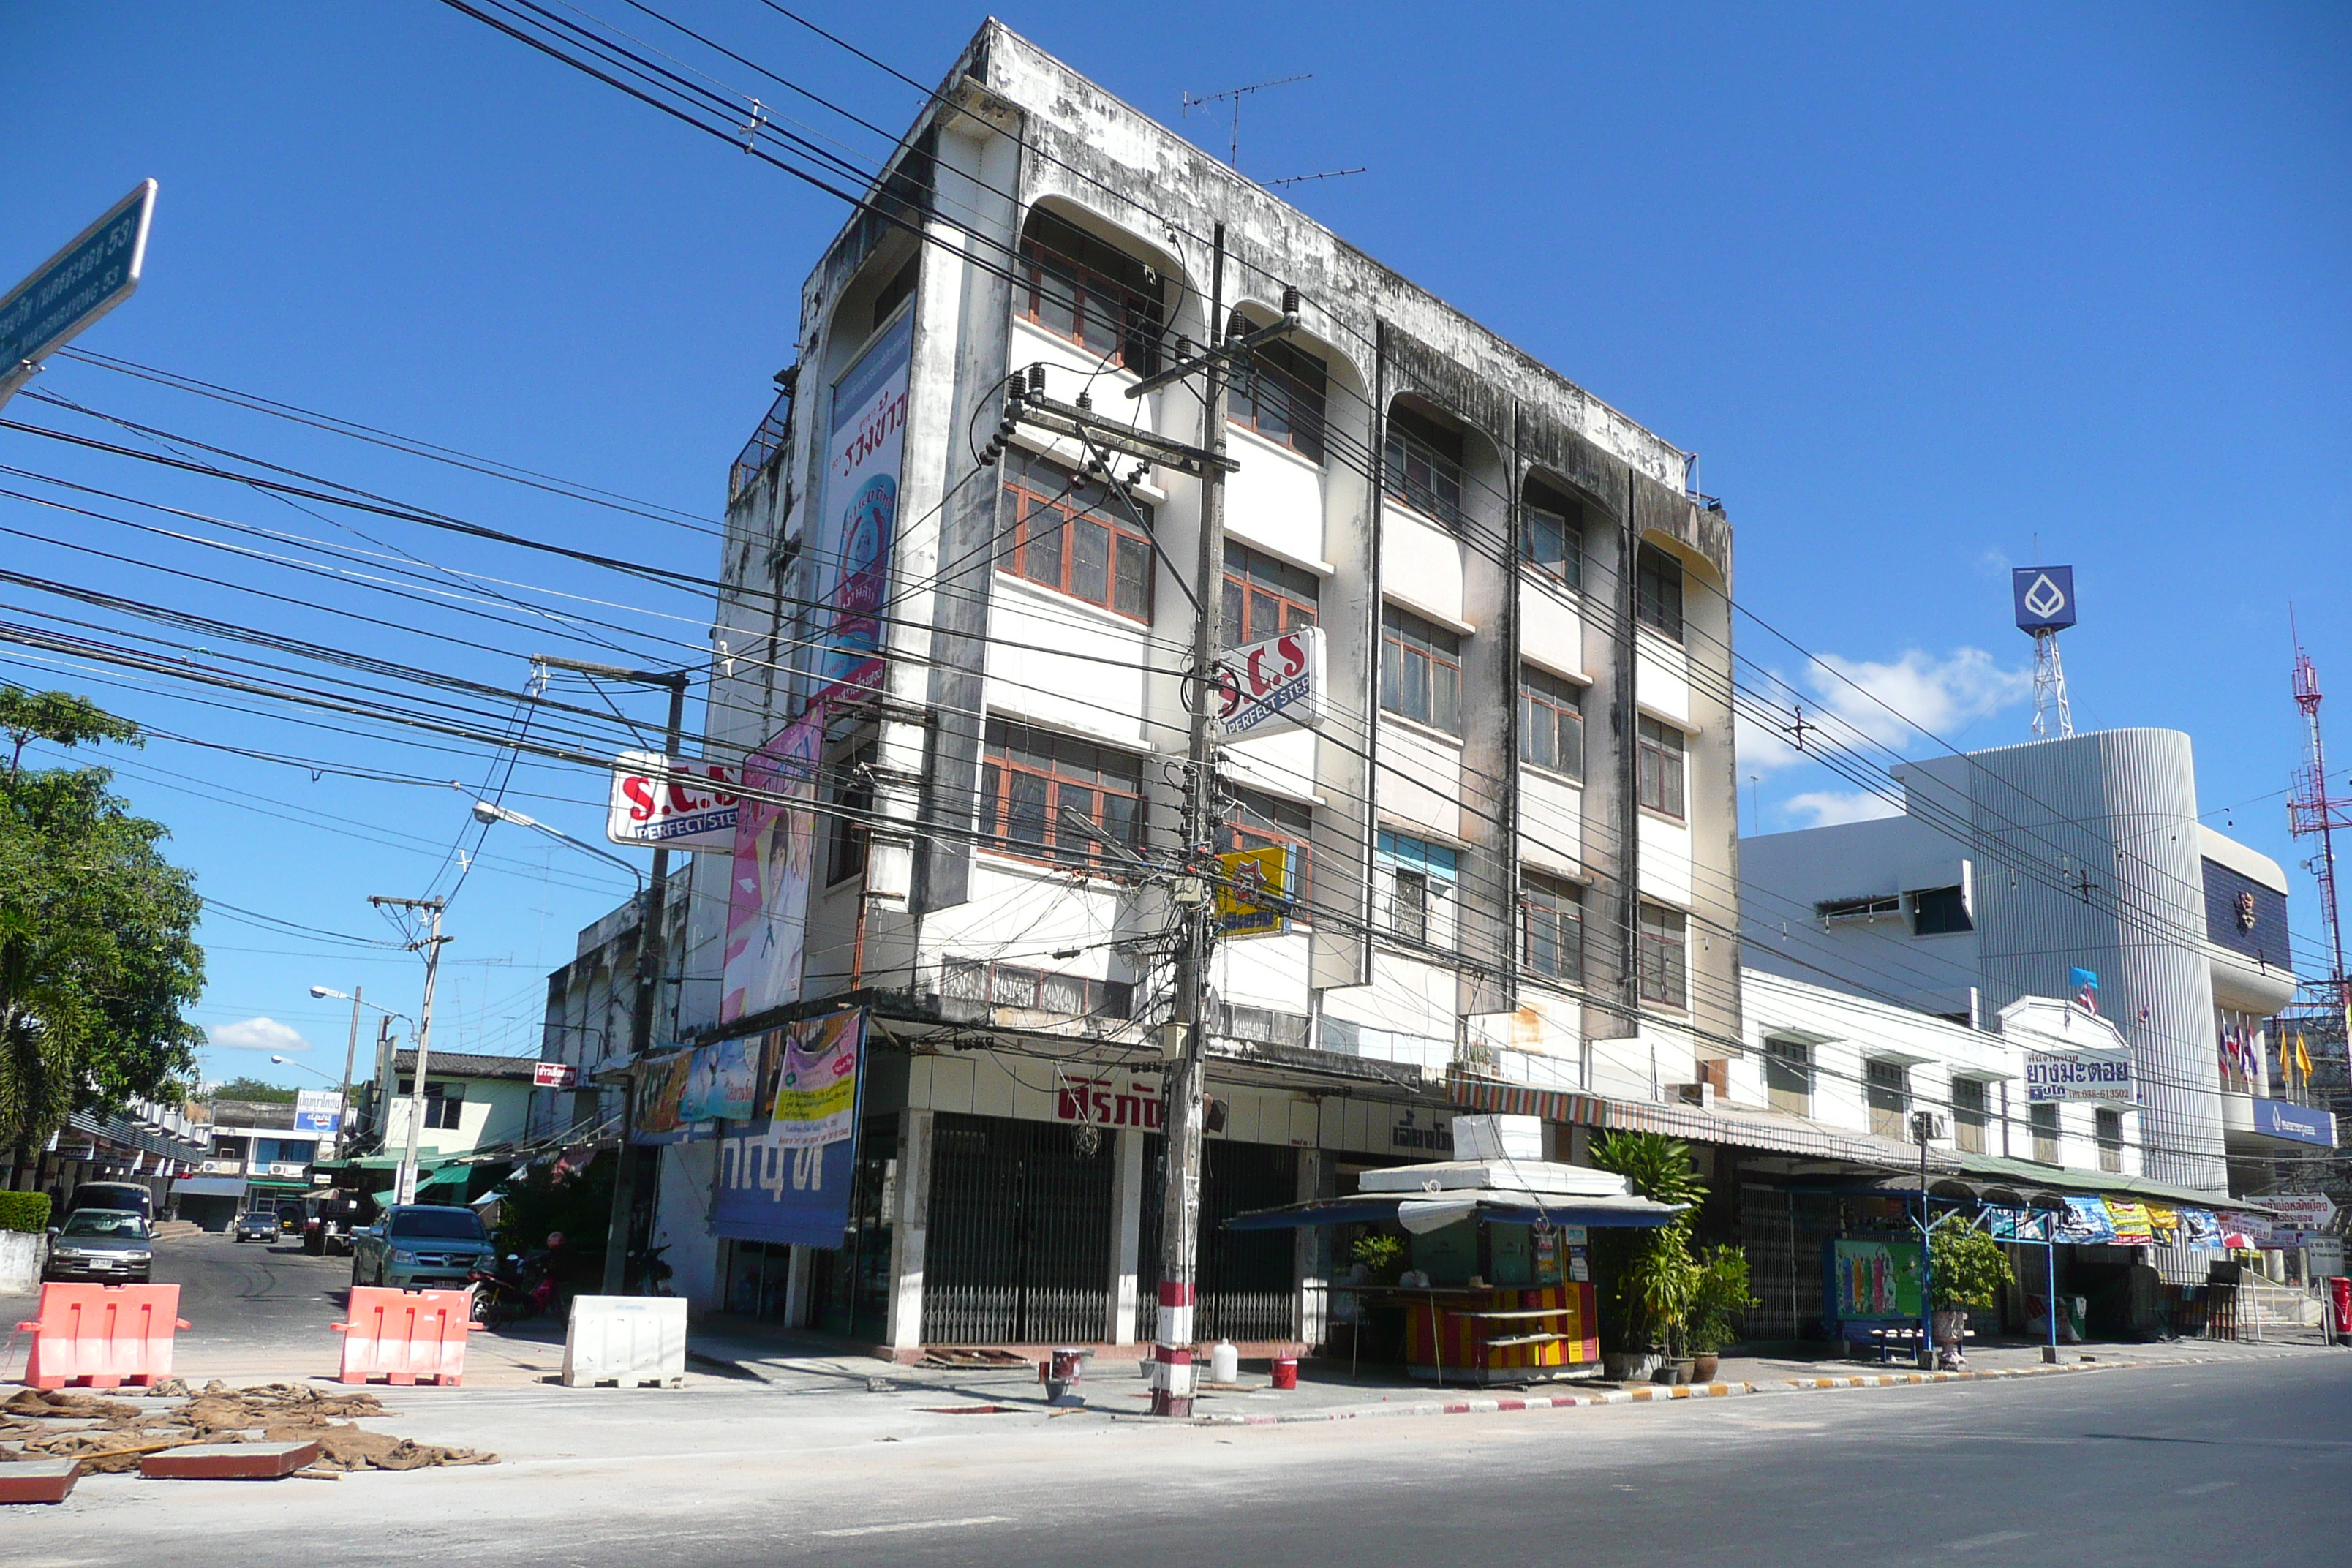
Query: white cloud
(259, 1034)
(1865, 701)
(1827, 807)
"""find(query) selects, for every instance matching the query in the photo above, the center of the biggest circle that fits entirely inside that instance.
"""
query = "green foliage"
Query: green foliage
(1382, 1254)
(251, 1088)
(24, 1211)
(1649, 1281)
(1657, 1167)
(1966, 1267)
(98, 956)
(1722, 1293)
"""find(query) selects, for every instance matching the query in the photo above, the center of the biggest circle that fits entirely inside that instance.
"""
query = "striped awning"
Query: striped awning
(1772, 1131)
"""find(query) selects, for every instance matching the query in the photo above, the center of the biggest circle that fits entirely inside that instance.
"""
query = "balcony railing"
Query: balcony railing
(765, 447)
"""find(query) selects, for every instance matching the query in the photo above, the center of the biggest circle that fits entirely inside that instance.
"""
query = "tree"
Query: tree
(250, 1089)
(98, 955)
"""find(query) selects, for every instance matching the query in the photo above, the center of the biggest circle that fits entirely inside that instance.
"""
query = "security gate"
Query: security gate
(1247, 1286)
(1020, 1237)
(1782, 1233)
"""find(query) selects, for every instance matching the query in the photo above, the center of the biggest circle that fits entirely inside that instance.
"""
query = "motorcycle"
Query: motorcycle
(512, 1289)
(649, 1274)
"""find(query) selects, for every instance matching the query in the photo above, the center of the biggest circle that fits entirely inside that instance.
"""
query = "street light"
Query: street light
(486, 811)
(302, 1066)
(351, 1054)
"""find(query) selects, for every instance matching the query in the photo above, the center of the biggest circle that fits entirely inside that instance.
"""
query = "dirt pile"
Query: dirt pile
(109, 1435)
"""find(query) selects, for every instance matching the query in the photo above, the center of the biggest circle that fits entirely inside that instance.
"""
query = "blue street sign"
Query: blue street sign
(2044, 595)
(95, 272)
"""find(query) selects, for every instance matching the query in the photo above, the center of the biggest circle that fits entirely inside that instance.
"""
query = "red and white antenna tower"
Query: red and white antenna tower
(2310, 809)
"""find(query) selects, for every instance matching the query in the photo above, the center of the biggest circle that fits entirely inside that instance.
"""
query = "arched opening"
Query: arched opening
(1078, 284)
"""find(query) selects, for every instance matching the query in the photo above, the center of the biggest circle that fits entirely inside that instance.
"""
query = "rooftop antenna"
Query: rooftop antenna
(2312, 811)
(1233, 153)
(2045, 597)
(1302, 179)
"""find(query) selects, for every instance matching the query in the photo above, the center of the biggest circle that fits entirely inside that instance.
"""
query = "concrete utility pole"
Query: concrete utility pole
(351, 1058)
(650, 942)
(404, 1189)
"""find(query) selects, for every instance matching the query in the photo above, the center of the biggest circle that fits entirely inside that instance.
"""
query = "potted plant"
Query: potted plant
(1966, 1268)
(1721, 1292)
(1647, 1276)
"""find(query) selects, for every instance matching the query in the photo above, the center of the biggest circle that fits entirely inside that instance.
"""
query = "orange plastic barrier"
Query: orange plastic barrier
(406, 1336)
(103, 1336)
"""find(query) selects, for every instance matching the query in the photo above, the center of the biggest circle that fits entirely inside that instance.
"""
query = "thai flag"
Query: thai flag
(2087, 990)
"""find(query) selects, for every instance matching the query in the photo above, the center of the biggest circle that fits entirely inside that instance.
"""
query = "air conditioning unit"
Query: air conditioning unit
(1929, 1127)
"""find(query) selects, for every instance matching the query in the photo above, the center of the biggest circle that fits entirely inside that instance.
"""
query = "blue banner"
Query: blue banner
(2301, 1123)
(2085, 1220)
(772, 1184)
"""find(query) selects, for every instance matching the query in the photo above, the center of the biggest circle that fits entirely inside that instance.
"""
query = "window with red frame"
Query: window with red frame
(1035, 783)
(1264, 598)
(1080, 288)
(1259, 821)
(1069, 534)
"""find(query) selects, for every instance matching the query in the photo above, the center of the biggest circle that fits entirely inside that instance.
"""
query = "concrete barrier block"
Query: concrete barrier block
(628, 1340)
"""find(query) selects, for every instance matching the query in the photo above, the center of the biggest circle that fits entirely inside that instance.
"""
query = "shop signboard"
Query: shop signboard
(676, 801)
(317, 1110)
(554, 1074)
(767, 894)
(856, 525)
(2103, 1077)
(1874, 1279)
(1124, 1099)
(790, 1181)
(1273, 687)
(1253, 890)
(2295, 1123)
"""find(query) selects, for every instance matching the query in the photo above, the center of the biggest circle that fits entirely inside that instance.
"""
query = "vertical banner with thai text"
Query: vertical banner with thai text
(856, 525)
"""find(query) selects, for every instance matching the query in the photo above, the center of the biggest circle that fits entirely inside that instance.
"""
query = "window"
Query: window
(1277, 391)
(1082, 288)
(2044, 1121)
(1258, 820)
(1551, 537)
(1665, 955)
(445, 1104)
(1789, 1076)
(900, 287)
(1939, 912)
(846, 829)
(1421, 466)
(1661, 767)
(435, 1224)
(1887, 1088)
(1421, 671)
(1419, 876)
(2109, 1127)
(1035, 783)
(1551, 920)
(1266, 597)
(1969, 1108)
(1658, 591)
(1034, 990)
(1882, 907)
(1073, 535)
(1551, 722)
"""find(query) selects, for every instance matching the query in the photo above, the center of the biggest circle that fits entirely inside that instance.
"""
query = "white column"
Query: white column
(1127, 1236)
(1306, 1254)
(909, 1224)
(796, 1287)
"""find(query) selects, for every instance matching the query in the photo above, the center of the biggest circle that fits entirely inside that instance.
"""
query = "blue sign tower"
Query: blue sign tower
(2045, 597)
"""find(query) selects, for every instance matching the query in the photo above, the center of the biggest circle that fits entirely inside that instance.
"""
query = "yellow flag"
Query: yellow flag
(2302, 1059)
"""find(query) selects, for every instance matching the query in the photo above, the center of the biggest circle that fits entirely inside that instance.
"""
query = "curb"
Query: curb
(1666, 1393)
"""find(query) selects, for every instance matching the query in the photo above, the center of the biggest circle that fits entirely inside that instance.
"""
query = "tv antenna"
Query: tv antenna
(1233, 153)
(1301, 179)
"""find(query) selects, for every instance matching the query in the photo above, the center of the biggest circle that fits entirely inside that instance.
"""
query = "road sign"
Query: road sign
(2044, 597)
(94, 273)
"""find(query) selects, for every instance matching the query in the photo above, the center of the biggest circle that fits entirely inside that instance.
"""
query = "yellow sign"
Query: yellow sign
(1253, 890)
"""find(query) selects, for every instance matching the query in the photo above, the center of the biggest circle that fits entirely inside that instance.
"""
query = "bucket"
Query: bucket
(1286, 1372)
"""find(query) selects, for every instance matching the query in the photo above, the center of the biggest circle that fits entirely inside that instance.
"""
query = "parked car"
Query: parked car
(256, 1225)
(421, 1246)
(132, 1197)
(102, 1244)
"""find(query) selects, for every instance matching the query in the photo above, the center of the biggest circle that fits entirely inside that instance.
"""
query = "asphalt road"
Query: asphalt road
(246, 1296)
(2241, 1462)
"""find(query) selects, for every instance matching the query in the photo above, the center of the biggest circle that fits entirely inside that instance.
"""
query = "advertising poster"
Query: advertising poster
(767, 896)
(722, 1080)
(1874, 1279)
(2085, 1220)
(857, 523)
(2131, 1223)
(816, 1083)
(2164, 1225)
(769, 1190)
(655, 1113)
(1253, 890)
(2242, 1231)
(2199, 1228)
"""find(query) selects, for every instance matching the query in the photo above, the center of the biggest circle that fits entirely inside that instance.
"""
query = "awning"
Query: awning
(208, 1188)
(1497, 1207)
(2030, 1175)
(1772, 1131)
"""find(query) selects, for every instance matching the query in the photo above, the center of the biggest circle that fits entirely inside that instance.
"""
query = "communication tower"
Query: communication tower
(2045, 606)
(2312, 811)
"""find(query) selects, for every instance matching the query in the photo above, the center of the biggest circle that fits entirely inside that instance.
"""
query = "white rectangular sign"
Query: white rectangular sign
(317, 1110)
(1273, 687)
(684, 804)
(2099, 1077)
(554, 1074)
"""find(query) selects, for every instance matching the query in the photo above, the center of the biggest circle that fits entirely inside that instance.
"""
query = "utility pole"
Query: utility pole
(650, 960)
(1172, 1354)
(383, 1069)
(351, 1057)
(404, 1189)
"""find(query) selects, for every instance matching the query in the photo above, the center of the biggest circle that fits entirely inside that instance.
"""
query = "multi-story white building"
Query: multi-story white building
(1516, 828)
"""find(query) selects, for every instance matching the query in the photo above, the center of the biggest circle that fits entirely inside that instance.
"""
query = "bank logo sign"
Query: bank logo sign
(2044, 597)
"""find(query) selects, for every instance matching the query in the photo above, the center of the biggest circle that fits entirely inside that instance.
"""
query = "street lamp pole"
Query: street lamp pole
(351, 1057)
(404, 1189)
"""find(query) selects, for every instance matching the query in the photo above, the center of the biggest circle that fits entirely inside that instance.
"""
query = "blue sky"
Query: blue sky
(1920, 286)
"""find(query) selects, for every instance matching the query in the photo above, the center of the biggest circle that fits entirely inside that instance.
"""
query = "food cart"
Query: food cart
(1500, 1288)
